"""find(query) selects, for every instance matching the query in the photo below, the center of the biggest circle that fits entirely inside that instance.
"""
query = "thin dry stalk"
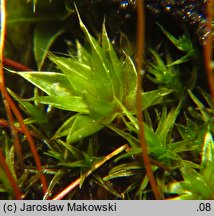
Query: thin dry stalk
(139, 65)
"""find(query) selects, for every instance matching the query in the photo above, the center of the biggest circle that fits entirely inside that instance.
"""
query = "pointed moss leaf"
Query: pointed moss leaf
(208, 150)
(78, 74)
(207, 164)
(54, 181)
(183, 130)
(181, 60)
(161, 66)
(129, 76)
(34, 5)
(69, 103)
(207, 96)
(130, 153)
(162, 74)
(54, 154)
(79, 163)
(167, 121)
(193, 187)
(124, 170)
(154, 97)
(44, 36)
(183, 43)
(54, 84)
(155, 145)
(10, 159)
(82, 127)
(98, 60)
(129, 83)
(114, 63)
(36, 113)
(65, 127)
(200, 105)
(149, 99)
(190, 131)
(190, 164)
(193, 178)
(134, 142)
(107, 185)
(179, 188)
(77, 153)
(71, 66)
(184, 146)
(94, 44)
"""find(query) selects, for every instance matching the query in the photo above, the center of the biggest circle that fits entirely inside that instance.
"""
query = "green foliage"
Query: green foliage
(95, 83)
(82, 106)
(183, 43)
(159, 141)
(198, 185)
(165, 75)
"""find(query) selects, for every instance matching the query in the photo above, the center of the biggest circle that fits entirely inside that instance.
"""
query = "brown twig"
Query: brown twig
(139, 65)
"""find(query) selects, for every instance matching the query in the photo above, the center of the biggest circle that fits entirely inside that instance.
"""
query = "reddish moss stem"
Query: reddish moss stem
(139, 65)
(8, 111)
(18, 66)
(5, 123)
(2, 37)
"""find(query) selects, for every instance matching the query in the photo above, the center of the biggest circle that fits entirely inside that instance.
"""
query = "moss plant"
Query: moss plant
(81, 112)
